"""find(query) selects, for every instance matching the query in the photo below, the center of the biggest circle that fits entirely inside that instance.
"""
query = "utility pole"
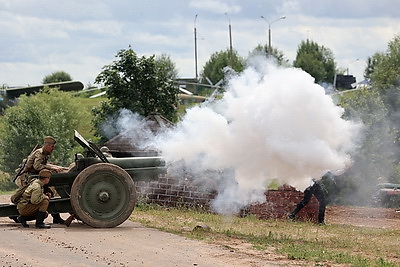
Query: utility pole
(269, 31)
(195, 47)
(230, 42)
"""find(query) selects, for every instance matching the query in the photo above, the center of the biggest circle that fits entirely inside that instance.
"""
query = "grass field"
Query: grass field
(87, 104)
(328, 245)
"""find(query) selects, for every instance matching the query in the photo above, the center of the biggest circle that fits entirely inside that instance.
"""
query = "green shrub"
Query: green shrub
(5, 182)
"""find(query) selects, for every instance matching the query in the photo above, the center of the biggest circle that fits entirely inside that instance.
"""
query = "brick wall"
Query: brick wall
(174, 192)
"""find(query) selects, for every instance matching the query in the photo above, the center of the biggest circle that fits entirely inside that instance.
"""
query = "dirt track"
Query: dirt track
(131, 244)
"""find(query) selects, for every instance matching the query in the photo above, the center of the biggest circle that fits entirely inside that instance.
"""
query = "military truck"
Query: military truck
(387, 195)
(99, 190)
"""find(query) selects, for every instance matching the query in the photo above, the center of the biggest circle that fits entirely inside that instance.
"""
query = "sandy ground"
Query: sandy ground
(131, 244)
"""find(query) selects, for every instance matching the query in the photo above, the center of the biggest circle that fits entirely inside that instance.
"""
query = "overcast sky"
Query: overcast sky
(38, 37)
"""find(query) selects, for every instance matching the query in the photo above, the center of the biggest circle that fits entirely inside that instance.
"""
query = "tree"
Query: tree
(56, 77)
(316, 60)
(376, 156)
(277, 55)
(372, 62)
(386, 71)
(139, 84)
(166, 64)
(385, 78)
(49, 112)
(216, 69)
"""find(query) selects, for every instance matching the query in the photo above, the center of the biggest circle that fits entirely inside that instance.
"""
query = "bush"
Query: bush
(49, 112)
(5, 182)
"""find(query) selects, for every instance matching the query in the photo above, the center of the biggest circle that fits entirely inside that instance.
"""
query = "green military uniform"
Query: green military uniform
(37, 161)
(34, 202)
(34, 164)
(33, 199)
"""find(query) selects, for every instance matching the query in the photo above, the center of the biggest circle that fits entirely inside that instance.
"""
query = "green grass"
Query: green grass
(305, 242)
(87, 104)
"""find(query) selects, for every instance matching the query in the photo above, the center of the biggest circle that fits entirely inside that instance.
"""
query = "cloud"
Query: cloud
(41, 33)
(342, 9)
(215, 6)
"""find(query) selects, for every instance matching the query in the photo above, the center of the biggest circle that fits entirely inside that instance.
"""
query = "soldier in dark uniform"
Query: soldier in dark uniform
(317, 190)
(37, 161)
(34, 202)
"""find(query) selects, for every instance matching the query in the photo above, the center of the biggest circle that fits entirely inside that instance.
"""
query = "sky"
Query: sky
(39, 37)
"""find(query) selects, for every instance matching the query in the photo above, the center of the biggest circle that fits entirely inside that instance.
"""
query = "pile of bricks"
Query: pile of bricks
(279, 203)
(174, 192)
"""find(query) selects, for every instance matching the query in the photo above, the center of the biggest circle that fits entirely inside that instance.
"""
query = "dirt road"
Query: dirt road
(129, 244)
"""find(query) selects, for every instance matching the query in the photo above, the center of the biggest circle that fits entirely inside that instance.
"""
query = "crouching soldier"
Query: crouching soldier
(34, 202)
(37, 161)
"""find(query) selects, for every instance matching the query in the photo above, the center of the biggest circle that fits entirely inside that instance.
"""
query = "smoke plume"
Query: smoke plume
(272, 123)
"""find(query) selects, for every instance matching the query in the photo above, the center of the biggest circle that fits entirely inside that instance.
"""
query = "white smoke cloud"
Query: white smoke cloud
(131, 126)
(272, 123)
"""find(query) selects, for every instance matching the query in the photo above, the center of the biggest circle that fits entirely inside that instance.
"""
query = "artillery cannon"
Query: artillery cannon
(100, 191)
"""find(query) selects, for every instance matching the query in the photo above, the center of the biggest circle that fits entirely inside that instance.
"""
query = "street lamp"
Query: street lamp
(195, 46)
(350, 63)
(230, 42)
(269, 30)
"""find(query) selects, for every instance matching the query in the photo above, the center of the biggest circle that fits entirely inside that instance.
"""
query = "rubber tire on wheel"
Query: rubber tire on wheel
(103, 195)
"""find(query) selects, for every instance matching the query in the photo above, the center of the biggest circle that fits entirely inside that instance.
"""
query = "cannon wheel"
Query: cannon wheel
(103, 195)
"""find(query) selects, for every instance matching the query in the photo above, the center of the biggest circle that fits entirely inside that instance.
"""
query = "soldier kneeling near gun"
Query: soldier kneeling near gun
(37, 161)
(34, 202)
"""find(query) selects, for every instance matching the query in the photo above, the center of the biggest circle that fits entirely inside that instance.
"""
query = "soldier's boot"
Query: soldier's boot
(22, 220)
(57, 218)
(292, 215)
(14, 218)
(41, 215)
(321, 219)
